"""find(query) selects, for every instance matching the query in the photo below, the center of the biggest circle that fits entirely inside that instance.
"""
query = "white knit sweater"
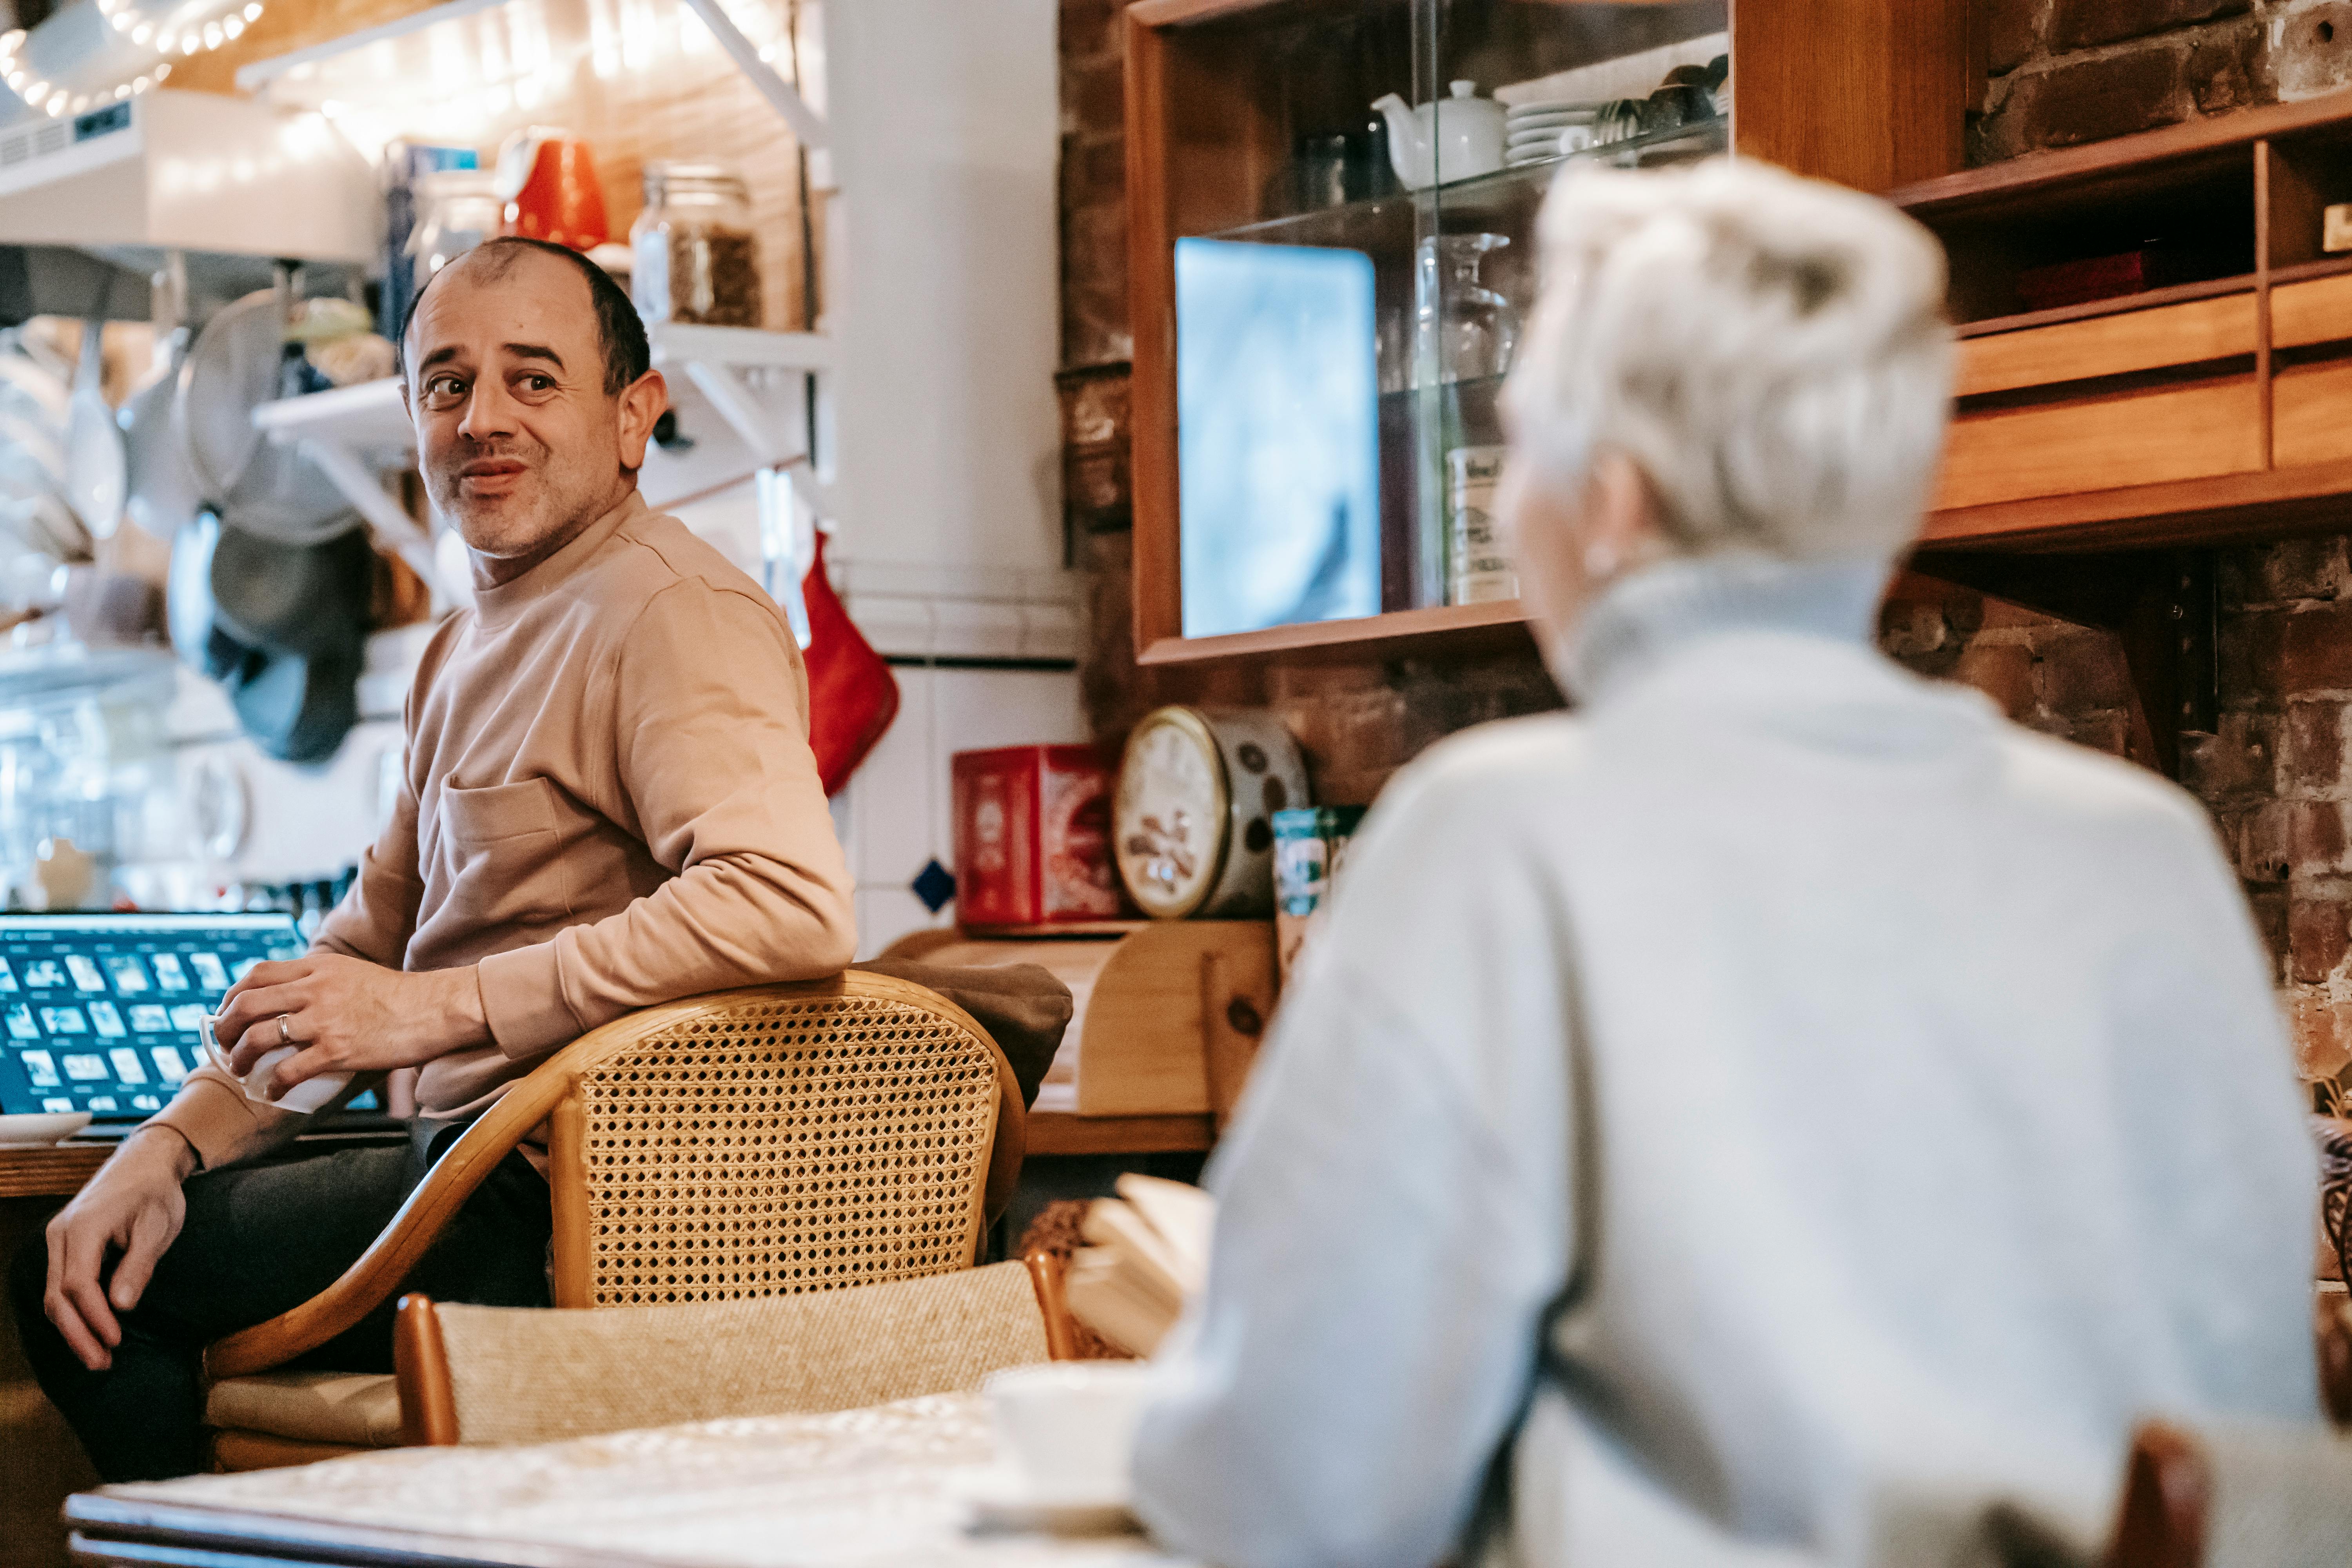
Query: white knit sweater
(1947, 1125)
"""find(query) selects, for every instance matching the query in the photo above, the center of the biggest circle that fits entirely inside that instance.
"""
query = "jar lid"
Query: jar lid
(707, 175)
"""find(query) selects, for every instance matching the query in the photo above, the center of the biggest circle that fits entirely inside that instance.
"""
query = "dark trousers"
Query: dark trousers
(259, 1240)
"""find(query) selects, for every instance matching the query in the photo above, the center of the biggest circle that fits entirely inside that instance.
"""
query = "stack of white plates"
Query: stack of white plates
(1535, 133)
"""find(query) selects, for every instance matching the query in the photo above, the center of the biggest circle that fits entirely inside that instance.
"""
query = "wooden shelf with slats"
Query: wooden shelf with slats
(2212, 410)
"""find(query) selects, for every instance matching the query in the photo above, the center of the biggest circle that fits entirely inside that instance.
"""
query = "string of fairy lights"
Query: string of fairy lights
(166, 39)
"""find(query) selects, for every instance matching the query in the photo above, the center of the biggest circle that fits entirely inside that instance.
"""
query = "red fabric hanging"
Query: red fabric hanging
(852, 695)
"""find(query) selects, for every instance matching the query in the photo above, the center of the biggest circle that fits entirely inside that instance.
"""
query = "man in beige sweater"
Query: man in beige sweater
(609, 801)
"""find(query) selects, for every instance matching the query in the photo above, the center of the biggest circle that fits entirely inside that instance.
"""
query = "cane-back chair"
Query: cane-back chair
(765, 1142)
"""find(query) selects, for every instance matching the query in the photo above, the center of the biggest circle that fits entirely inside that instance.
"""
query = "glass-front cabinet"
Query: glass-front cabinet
(1336, 256)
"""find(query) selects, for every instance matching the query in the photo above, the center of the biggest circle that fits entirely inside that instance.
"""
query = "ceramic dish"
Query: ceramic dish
(40, 1129)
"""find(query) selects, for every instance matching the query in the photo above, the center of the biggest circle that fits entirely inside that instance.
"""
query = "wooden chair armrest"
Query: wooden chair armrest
(380, 1269)
(2161, 1520)
(420, 1366)
(1046, 1268)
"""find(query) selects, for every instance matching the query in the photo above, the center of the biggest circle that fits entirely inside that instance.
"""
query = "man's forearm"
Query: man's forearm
(219, 1125)
(161, 1141)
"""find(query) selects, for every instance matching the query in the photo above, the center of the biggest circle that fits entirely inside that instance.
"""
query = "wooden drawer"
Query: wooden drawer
(2311, 414)
(2119, 345)
(2319, 312)
(2189, 430)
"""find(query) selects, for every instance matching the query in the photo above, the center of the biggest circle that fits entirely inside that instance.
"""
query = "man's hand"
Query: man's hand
(132, 1204)
(347, 1015)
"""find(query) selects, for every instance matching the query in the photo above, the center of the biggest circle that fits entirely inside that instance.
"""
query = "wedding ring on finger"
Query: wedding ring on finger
(285, 1035)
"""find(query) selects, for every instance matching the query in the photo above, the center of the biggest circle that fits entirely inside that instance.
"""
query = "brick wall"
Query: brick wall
(2070, 71)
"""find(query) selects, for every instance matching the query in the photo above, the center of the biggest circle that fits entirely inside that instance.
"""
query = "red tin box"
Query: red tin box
(1033, 837)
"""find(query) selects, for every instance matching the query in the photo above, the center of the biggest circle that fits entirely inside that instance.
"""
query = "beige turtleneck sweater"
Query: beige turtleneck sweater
(609, 801)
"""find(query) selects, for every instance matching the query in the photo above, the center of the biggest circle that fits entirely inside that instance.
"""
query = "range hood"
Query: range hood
(168, 170)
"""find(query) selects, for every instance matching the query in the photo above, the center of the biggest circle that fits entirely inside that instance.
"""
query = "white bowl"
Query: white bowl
(39, 1129)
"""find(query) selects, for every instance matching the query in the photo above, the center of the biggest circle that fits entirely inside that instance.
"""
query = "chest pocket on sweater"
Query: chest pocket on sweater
(504, 847)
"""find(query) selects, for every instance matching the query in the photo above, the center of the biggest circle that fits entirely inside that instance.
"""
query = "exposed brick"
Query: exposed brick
(2319, 930)
(2225, 69)
(2313, 52)
(2294, 569)
(2260, 841)
(2246, 652)
(2013, 32)
(2108, 731)
(2316, 837)
(1097, 97)
(2236, 761)
(2002, 672)
(1091, 29)
(2081, 669)
(1094, 285)
(1094, 170)
(2314, 650)
(2094, 100)
(1999, 614)
(1915, 633)
(2268, 907)
(2318, 1023)
(2081, 24)
(2312, 745)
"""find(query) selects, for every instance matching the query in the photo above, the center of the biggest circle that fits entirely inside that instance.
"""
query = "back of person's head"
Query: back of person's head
(1769, 351)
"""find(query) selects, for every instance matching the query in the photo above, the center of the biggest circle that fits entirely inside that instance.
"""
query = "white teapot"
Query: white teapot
(1456, 137)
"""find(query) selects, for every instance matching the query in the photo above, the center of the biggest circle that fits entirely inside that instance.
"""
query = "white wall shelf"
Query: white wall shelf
(308, 78)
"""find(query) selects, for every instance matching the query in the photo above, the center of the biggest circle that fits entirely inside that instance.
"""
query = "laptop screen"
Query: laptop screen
(101, 1013)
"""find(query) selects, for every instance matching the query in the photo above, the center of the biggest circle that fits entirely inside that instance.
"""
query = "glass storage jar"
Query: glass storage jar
(457, 209)
(696, 255)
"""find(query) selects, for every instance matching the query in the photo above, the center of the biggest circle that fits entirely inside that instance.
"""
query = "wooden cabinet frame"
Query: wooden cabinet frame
(1865, 92)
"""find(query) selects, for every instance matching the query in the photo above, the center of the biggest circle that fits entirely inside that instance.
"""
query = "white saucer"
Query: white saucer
(1001, 1498)
(40, 1129)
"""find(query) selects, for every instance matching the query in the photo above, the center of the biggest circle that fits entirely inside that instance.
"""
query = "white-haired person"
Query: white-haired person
(1780, 1088)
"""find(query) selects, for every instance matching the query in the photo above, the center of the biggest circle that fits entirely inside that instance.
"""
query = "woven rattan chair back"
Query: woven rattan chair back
(773, 1141)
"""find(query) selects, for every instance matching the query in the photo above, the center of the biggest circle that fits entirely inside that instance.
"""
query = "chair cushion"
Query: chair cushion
(359, 1409)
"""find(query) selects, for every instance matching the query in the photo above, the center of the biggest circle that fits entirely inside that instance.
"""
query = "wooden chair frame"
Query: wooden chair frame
(548, 1096)
(428, 1406)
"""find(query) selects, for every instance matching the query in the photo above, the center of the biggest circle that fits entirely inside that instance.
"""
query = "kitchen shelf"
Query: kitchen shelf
(2225, 509)
(382, 64)
(1048, 930)
(368, 415)
(1495, 626)
(1387, 220)
(2116, 305)
(2201, 413)
(360, 428)
(1066, 1133)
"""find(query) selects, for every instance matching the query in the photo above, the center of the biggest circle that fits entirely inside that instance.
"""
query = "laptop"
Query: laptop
(103, 1013)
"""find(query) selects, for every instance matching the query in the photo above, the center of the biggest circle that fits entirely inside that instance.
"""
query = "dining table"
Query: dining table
(885, 1487)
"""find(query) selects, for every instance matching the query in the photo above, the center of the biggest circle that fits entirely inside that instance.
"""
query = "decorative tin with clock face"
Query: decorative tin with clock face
(1192, 821)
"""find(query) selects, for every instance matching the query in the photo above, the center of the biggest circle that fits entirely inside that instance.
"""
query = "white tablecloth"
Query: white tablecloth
(865, 1487)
